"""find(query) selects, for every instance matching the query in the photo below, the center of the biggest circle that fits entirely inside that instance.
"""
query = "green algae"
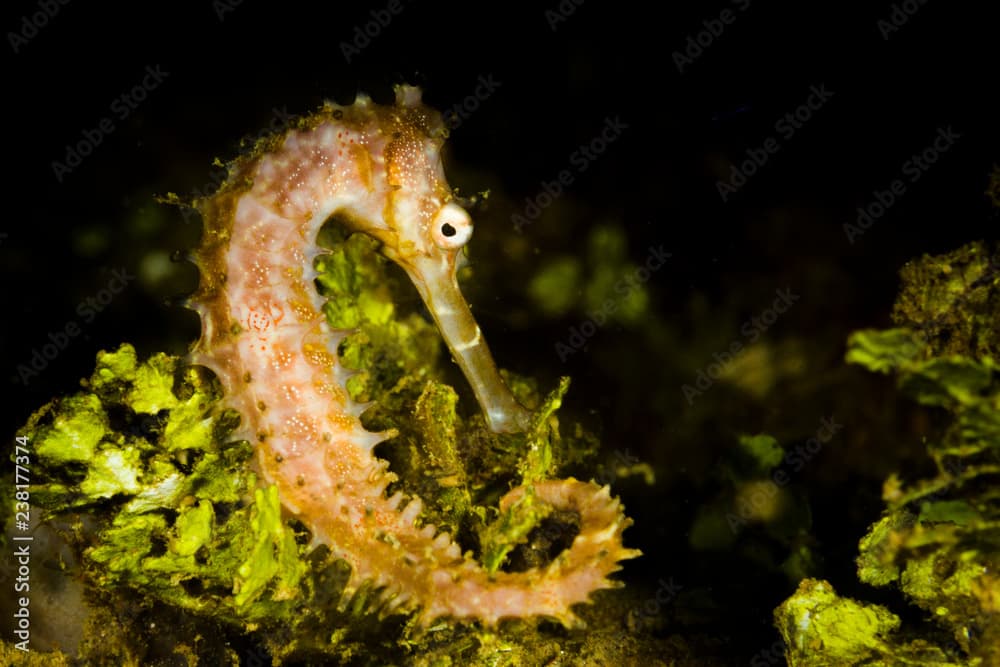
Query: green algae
(816, 622)
(74, 432)
(555, 288)
(175, 517)
(951, 301)
(763, 450)
(607, 285)
(111, 472)
(274, 555)
(938, 541)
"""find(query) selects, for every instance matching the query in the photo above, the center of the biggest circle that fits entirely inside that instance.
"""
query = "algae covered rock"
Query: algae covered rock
(174, 531)
(821, 628)
(938, 540)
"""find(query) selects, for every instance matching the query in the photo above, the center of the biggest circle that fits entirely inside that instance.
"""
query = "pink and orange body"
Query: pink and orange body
(265, 337)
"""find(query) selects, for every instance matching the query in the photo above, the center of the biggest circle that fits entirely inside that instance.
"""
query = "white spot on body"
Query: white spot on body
(476, 340)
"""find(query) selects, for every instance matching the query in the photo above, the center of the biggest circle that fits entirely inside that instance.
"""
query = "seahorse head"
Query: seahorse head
(425, 230)
(425, 225)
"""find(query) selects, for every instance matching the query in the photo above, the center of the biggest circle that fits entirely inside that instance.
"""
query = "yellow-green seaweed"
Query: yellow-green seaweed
(938, 540)
(176, 519)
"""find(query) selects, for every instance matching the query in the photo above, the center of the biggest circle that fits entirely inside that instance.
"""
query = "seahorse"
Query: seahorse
(378, 169)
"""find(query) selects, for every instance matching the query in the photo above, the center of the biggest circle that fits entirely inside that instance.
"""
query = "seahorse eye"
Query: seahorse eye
(452, 227)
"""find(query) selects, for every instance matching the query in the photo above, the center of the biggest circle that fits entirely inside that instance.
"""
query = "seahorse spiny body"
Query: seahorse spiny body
(265, 337)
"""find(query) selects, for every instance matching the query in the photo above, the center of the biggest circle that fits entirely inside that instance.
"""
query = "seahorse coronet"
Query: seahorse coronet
(264, 335)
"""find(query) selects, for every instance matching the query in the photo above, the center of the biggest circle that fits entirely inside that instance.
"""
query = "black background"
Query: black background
(228, 74)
